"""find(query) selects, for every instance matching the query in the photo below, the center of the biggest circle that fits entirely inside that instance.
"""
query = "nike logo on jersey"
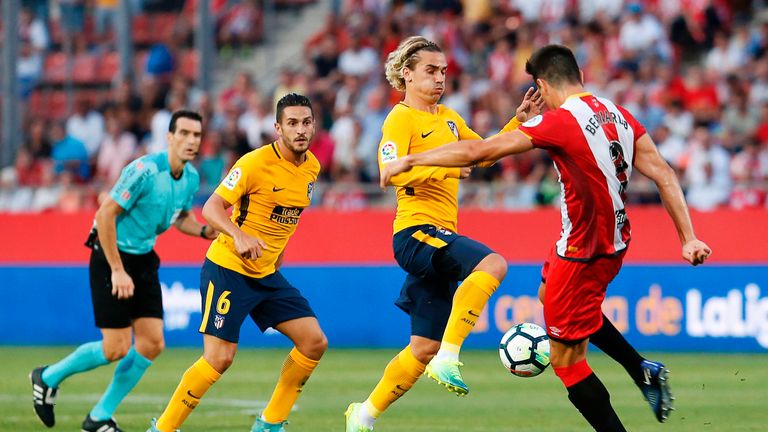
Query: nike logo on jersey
(276, 189)
(424, 135)
(191, 395)
(473, 314)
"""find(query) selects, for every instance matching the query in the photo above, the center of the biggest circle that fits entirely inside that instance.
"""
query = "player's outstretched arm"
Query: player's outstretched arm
(459, 154)
(650, 163)
(215, 212)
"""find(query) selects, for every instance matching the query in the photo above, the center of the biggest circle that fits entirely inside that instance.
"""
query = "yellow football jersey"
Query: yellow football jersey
(268, 194)
(425, 195)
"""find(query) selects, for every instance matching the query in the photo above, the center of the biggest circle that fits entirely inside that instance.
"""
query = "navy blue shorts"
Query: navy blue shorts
(435, 259)
(228, 297)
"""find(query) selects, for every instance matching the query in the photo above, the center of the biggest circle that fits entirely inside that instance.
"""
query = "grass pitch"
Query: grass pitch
(714, 393)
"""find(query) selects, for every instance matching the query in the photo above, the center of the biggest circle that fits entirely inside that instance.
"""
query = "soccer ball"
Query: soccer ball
(524, 350)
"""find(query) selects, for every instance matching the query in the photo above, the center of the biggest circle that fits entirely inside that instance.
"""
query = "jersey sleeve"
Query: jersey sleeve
(130, 186)
(637, 127)
(465, 133)
(545, 130)
(395, 143)
(240, 181)
(511, 125)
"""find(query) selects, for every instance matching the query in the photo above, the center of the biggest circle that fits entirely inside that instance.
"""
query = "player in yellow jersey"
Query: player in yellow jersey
(426, 243)
(269, 188)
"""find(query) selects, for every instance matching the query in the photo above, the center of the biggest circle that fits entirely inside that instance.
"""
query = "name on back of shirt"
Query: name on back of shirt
(602, 117)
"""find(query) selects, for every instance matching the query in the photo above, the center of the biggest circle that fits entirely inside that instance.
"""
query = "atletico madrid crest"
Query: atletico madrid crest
(218, 321)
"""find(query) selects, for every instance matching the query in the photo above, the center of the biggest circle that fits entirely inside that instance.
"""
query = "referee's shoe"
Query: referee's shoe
(91, 425)
(44, 397)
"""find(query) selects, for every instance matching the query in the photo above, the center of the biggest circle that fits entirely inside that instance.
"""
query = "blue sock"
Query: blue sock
(84, 358)
(127, 373)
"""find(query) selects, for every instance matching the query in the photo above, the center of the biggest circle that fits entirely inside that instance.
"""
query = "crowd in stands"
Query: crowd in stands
(694, 73)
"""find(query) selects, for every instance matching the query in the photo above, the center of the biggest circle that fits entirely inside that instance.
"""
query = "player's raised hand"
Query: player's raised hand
(391, 169)
(122, 284)
(696, 252)
(249, 247)
(531, 106)
(465, 172)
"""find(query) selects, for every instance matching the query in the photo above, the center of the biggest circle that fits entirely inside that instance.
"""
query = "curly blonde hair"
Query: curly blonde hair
(406, 55)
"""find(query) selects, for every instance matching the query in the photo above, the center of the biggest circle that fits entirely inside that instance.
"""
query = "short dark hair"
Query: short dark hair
(183, 113)
(554, 63)
(289, 100)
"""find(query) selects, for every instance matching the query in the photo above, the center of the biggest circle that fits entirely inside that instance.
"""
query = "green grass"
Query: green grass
(714, 393)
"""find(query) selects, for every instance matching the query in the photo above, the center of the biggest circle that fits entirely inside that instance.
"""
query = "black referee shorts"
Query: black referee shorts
(147, 300)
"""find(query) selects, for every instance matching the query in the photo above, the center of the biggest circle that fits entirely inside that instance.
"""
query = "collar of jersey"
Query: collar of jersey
(579, 95)
(439, 108)
(282, 159)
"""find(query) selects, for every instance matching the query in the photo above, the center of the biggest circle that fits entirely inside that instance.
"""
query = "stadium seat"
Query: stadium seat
(85, 68)
(142, 29)
(188, 64)
(56, 105)
(163, 26)
(109, 67)
(38, 104)
(55, 69)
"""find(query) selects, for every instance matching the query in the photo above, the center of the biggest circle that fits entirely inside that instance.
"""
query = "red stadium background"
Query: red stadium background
(329, 237)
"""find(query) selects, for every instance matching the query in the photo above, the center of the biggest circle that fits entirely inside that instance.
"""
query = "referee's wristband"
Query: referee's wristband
(202, 231)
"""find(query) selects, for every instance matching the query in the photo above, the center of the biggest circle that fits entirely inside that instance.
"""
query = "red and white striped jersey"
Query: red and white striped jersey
(592, 143)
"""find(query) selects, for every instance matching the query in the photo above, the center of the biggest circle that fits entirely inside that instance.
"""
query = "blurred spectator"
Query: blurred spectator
(345, 133)
(707, 171)
(679, 121)
(672, 147)
(739, 121)
(726, 56)
(237, 95)
(72, 16)
(104, 15)
(32, 30)
(749, 170)
(511, 193)
(641, 33)
(29, 68)
(358, 60)
(117, 149)
(161, 120)
(37, 143)
(212, 163)
(87, 126)
(69, 154)
(257, 122)
(240, 26)
(370, 132)
(160, 62)
(30, 170)
(289, 83)
(650, 116)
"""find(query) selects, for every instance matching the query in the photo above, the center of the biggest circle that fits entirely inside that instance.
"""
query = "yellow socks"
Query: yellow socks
(195, 382)
(296, 371)
(468, 302)
(399, 376)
